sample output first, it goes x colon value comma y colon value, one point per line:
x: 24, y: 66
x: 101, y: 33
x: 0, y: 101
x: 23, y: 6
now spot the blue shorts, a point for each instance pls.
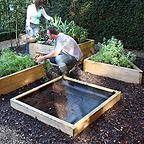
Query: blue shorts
x: 33, y: 32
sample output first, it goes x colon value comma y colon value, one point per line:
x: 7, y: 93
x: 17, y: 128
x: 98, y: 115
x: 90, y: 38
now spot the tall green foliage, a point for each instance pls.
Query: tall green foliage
x: 13, y: 15
x: 104, y: 18
x: 69, y: 28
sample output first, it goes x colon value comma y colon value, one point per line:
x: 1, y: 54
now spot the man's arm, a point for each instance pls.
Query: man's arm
x: 54, y: 53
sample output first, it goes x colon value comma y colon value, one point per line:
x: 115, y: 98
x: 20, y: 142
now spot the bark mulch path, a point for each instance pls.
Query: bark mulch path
x: 122, y: 124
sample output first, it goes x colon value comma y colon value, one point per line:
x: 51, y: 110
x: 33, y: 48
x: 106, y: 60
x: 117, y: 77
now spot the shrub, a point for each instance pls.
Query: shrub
x: 112, y: 52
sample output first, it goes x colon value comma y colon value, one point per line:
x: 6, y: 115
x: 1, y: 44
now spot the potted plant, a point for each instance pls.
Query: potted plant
x: 69, y: 28
x: 111, y: 61
x: 17, y: 71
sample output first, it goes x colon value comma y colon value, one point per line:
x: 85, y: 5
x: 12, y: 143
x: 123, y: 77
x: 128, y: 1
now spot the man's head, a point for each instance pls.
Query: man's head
x: 52, y: 32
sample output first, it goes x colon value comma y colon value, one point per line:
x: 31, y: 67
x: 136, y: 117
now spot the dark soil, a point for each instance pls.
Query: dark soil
x: 124, y: 123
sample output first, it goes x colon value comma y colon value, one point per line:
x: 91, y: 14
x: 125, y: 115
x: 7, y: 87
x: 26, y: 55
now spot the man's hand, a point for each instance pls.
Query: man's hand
x: 36, y: 56
x: 39, y: 59
x: 49, y: 41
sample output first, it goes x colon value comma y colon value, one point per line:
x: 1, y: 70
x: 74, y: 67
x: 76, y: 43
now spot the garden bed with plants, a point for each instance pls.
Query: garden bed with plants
x: 111, y: 61
x: 121, y: 124
x: 17, y: 70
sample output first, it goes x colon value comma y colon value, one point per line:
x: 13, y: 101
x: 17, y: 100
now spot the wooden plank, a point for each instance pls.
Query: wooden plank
x: 16, y: 80
x: 115, y: 72
x: 37, y: 88
x: 135, y: 67
x: 96, y: 113
x: 89, y: 84
x: 87, y: 48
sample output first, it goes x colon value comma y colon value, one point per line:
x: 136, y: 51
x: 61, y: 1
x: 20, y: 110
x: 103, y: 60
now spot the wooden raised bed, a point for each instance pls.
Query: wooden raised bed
x: 19, y: 79
x: 107, y: 70
x: 87, y: 48
x: 71, y: 129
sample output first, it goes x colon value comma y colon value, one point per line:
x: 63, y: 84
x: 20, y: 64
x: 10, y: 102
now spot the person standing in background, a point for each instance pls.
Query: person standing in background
x: 34, y: 13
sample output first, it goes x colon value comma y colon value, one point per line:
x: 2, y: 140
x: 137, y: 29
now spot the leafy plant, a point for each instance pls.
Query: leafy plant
x: 69, y: 28
x: 12, y: 16
x: 10, y: 62
x: 48, y: 66
x: 112, y: 52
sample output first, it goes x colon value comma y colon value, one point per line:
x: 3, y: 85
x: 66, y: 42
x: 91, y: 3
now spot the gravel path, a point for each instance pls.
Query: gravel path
x: 122, y: 124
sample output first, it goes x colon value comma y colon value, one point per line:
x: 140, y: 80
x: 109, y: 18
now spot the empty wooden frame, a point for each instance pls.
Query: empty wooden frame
x: 71, y: 129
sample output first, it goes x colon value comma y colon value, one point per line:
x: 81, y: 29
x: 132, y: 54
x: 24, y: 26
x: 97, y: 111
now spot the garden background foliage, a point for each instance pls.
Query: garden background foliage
x: 103, y: 18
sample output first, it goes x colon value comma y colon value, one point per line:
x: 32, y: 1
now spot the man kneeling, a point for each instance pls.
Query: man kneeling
x: 66, y: 52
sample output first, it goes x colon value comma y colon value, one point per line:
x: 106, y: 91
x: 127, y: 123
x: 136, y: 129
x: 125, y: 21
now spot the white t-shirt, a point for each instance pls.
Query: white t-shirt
x: 67, y: 44
x: 33, y: 15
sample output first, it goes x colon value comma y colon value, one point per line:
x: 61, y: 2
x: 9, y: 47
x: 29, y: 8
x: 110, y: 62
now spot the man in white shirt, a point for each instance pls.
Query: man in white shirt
x: 66, y: 52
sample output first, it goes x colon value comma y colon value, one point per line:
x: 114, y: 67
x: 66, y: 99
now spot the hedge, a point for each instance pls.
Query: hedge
x: 123, y: 19
x: 103, y: 18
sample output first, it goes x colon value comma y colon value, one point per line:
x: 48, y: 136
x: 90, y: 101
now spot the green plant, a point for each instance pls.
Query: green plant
x: 12, y: 17
x: 69, y: 28
x: 48, y: 66
x: 11, y: 62
x: 112, y: 52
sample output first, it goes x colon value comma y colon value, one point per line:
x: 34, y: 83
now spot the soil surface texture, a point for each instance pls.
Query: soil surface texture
x: 122, y: 124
